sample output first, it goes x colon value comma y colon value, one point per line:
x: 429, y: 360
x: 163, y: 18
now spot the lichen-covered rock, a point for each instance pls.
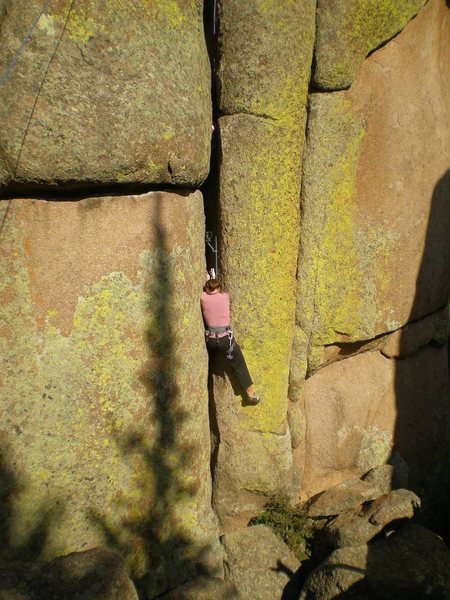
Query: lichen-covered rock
x: 358, y: 409
x: 347, y: 32
x: 411, y: 563
x: 245, y: 460
x: 96, y: 574
x: 258, y: 562
x: 368, y: 207
x: 105, y: 93
x: 104, y: 420
x: 265, y: 52
x: 265, y: 58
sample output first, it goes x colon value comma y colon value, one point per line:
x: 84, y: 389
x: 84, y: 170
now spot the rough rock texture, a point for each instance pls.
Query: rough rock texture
x: 103, y: 381
x: 357, y: 527
x: 359, y: 409
x: 105, y: 93
x: 244, y: 462
x: 348, y: 31
x: 97, y: 574
x: 410, y: 338
x: 265, y: 57
x: 204, y: 588
x: 258, y: 562
x: 412, y: 563
x: 381, y: 477
x: 375, y: 249
x: 345, y: 496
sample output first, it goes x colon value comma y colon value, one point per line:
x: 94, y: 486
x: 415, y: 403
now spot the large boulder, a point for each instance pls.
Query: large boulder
x: 104, y: 420
x: 360, y: 409
x: 348, y: 31
x: 96, y: 574
x: 263, y: 71
x: 411, y: 564
x: 104, y: 93
x: 375, y: 251
x: 258, y: 562
x: 356, y: 527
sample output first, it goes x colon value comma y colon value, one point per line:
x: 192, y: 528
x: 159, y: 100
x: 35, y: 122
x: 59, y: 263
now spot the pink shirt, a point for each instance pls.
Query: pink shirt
x: 216, y: 309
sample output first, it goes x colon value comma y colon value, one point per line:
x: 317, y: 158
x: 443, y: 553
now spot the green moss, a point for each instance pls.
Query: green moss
x: 289, y: 523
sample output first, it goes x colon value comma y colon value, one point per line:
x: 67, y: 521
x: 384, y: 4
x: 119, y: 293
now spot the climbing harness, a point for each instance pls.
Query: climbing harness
x: 231, y: 348
x: 213, y: 332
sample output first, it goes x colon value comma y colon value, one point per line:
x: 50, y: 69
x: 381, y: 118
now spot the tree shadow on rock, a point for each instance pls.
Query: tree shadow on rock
x: 422, y: 429
x: 28, y: 549
x: 154, y: 528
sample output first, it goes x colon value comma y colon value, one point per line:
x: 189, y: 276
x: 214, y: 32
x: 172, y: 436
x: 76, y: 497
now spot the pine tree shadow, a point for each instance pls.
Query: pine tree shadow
x: 30, y: 548
x: 171, y: 555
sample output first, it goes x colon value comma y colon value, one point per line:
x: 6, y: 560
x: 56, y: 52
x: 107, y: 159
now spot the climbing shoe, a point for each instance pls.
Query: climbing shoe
x: 255, y: 399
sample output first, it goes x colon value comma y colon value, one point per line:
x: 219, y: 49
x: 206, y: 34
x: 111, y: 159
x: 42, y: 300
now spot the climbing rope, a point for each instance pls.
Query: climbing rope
x: 41, y: 86
x: 25, y: 41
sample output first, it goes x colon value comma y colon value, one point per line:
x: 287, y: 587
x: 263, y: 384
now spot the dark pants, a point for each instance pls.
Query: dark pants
x: 235, y: 357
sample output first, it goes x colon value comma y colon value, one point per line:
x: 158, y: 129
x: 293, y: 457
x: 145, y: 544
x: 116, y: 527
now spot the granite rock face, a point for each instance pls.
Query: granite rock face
x: 347, y: 32
x: 357, y: 410
x: 411, y: 563
x: 265, y: 54
x: 105, y: 94
x: 96, y: 574
x: 105, y: 419
x: 370, y: 208
x: 254, y: 561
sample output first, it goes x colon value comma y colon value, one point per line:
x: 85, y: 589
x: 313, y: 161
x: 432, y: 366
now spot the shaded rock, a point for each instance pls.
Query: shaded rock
x: 346, y: 33
x: 204, y: 588
x: 399, y: 504
x: 345, y: 496
x: 357, y: 527
x: 258, y: 562
x: 412, y: 563
x: 96, y: 574
x: 135, y: 106
x: 381, y: 478
x: 367, y: 210
x: 408, y: 339
x: 358, y: 408
x: 104, y: 393
x: 296, y: 424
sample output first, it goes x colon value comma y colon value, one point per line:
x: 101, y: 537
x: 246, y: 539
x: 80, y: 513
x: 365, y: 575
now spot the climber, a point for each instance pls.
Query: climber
x: 219, y: 337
